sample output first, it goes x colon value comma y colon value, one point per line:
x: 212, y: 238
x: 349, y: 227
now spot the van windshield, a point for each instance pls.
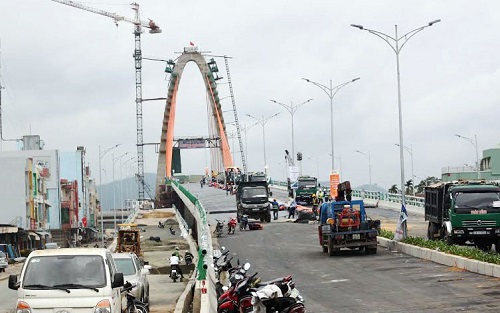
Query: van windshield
x: 78, y: 271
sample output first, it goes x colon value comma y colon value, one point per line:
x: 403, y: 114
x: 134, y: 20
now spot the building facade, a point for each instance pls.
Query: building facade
x: 489, y: 168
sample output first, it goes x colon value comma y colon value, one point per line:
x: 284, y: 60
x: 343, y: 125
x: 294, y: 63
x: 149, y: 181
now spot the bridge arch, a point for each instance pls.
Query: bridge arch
x: 216, y: 118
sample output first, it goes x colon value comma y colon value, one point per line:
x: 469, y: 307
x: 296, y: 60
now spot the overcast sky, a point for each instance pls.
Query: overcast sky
x: 69, y: 77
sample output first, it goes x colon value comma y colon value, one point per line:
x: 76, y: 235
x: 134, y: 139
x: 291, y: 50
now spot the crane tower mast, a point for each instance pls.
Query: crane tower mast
x: 138, y: 25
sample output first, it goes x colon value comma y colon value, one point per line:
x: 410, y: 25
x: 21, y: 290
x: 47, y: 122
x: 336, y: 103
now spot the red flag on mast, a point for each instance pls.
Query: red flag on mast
x: 191, y: 43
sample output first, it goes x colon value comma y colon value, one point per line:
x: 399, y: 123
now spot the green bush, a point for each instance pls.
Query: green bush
x: 466, y: 252
x: 386, y: 234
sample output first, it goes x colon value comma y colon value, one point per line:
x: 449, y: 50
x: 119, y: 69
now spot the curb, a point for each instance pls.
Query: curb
x: 475, y: 266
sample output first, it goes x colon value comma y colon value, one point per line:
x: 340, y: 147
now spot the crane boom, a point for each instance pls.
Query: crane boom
x: 117, y: 18
x: 153, y: 29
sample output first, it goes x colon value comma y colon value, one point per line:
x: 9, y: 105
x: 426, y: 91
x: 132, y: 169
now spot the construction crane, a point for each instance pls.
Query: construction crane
x: 138, y: 25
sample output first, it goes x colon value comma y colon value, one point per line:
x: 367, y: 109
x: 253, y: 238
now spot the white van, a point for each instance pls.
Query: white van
x: 72, y: 280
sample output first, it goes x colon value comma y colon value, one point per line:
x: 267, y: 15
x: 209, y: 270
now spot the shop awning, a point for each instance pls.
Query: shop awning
x: 34, y: 235
x: 8, y: 229
x: 44, y: 233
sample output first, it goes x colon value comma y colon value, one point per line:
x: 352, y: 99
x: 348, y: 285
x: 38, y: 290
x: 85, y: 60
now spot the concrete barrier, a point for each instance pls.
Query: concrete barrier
x: 204, y: 295
x: 439, y: 257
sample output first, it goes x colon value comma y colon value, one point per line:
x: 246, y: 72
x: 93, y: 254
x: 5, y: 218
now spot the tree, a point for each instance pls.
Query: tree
x: 409, y: 187
x: 393, y: 189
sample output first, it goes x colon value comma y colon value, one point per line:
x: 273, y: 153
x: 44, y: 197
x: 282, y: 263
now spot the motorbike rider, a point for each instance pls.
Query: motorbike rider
x: 174, y: 263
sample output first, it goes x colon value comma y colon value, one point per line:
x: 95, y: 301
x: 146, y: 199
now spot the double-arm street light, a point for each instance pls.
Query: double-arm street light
x: 262, y: 121
x: 114, y: 191
x: 317, y: 165
x: 101, y: 155
x: 474, y: 143
x: 367, y: 155
x: 397, y: 43
x: 410, y: 151
x: 331, y: 92
x: 122, y: 194
x: 292, y: 108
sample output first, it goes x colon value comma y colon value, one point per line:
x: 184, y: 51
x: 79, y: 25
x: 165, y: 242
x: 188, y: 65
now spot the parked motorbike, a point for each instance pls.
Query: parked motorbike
x: 229, y: 300
x: 244, y: 222
x: 288, y: 299
x: 231, y: 225
x: 219, y: 228
x: 161, y: 225
x: 188, y: 257
x: 133, y: 305
x: 172, y: 231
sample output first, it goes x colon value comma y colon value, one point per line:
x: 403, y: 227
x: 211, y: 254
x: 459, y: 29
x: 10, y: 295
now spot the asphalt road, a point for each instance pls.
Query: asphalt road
x: 353, y: 281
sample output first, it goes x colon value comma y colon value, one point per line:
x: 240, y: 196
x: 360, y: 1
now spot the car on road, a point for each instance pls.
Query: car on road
x: 3, y: 262
x: 135, y: 272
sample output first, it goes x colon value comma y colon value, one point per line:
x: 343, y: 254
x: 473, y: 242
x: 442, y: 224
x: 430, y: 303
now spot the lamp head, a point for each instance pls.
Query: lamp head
x: 357, y: 26
x: 307, y: 80
x: 434, y: 22
x: 355, y: 79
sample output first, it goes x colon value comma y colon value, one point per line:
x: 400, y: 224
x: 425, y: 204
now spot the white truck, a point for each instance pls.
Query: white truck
x: 68, y: 280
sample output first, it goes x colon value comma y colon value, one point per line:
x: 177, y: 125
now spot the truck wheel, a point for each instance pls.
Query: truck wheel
x: 331, y: 250
x: 325, y: 248
x: 448, y: 238
x: 497, y: 246
x: 431, y: 231
x: 371, y: 250
x: 485, y: 246
x: 268, y: 218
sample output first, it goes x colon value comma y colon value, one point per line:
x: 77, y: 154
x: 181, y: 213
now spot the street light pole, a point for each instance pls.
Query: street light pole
x: 396, y: 47
x: 101, y: 155
x: 292, y: 109
x: 331, y: 92
x: 262, y: 121
x: 114, y: 191
x: 121, y: 181
x: 369, y: 164
x: 317, y: 165
x: 410, y: 151
x: 474, y: 143
x: 245, y: 128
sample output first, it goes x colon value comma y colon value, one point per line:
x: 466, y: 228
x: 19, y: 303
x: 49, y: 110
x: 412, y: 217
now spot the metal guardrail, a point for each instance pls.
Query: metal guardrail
x: 377, y: 195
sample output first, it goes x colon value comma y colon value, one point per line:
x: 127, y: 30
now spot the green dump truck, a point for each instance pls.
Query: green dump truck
x: 464, y: 212
x: 306, y: 187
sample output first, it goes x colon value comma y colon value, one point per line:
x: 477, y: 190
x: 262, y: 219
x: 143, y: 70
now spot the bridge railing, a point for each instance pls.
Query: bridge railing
x: 376, y: 195
x: 205, y: 273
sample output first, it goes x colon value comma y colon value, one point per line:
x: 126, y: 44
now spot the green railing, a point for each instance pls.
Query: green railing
x: 377, y: 195
x: 203, y: 232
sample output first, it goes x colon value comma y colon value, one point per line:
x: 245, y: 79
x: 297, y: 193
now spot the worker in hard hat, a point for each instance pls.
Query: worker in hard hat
x: 315, y: 205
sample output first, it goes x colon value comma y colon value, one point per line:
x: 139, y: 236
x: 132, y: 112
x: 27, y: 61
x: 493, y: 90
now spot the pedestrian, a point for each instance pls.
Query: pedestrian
x: 201, y: 183
x: 291, y: 209
x: 274, y: 208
